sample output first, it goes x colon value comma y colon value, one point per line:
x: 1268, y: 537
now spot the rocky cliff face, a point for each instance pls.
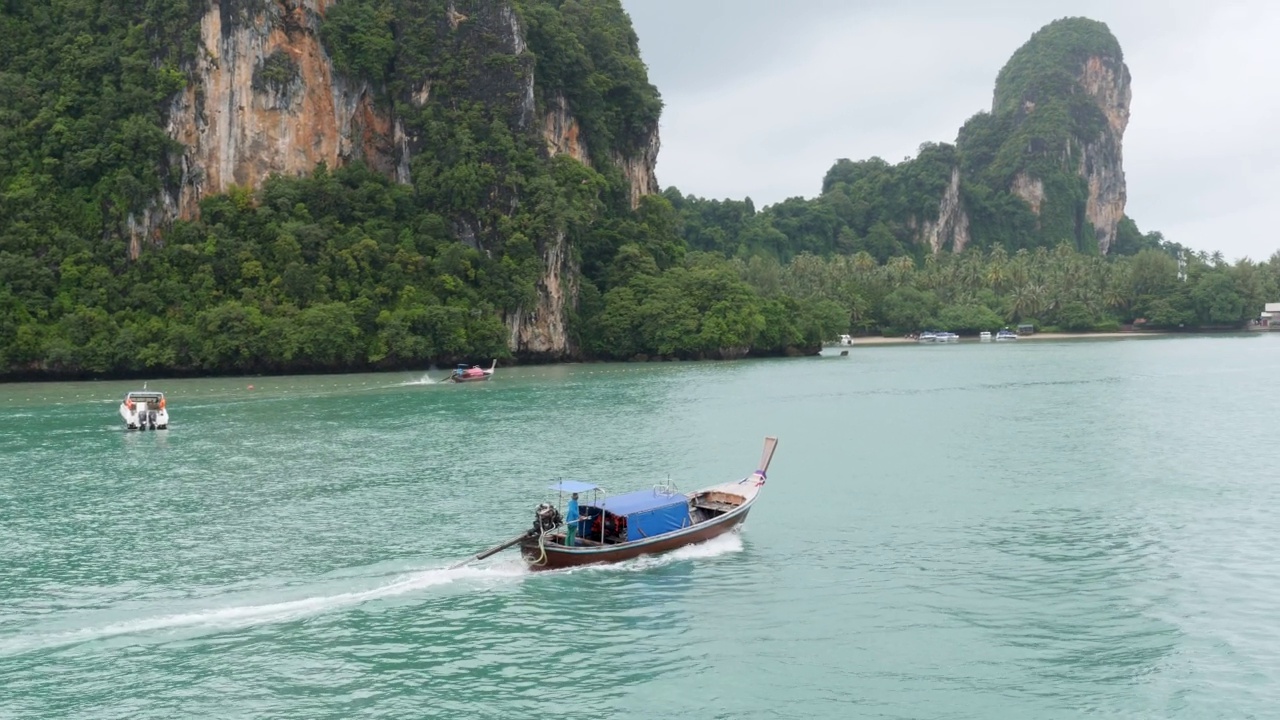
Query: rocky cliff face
x: 637, y: 166
x: 1107, y: 82
x: 541, y: 331
x: 266, y: 99
x: 1098, y: 160
x: 563, y: 136
x: 562, y: 133
x: 1072, y: 69
x: 951, y: 228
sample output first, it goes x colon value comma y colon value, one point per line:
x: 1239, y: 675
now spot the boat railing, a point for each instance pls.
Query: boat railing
x: 668, y: 488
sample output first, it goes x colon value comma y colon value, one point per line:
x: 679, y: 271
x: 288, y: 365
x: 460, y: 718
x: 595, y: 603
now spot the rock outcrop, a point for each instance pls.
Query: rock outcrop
x: 951, y: 228
x: 1069, y: 90
x: 1107, y: 81
x: 563, y: 136
x: 541, y: 331
x: 562, y: 133
x: 265, y: 99
x: 637, y: 166
x: 1030, y: 189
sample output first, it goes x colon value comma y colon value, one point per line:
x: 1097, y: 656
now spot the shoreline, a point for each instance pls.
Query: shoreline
x: 825, y: 350
x: 873, y: 341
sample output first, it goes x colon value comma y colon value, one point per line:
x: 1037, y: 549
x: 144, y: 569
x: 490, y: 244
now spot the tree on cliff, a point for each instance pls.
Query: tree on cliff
x: 343, y: 268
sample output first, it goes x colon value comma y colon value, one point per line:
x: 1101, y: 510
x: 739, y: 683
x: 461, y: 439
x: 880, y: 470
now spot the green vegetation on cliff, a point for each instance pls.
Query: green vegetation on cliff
x: 1041, y: 125
x: 347, y: 270
x: 83, y: 87
x: 1043, y: 70
x: 862, y: 242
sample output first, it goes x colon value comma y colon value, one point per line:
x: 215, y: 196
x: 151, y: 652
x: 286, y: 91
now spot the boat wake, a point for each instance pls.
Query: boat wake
x: 236, y: 612
x: 240, y: 616
x: 424, y: 380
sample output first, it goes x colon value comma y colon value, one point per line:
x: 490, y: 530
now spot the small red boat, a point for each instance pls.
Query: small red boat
x: 645, y: 522
x: 475, y: 373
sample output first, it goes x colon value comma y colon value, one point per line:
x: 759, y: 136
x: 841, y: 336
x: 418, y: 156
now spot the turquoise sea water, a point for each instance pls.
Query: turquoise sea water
x: 1033, y: 530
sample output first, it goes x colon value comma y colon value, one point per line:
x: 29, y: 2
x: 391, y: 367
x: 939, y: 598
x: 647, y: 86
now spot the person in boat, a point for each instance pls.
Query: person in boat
x: 571, y: 520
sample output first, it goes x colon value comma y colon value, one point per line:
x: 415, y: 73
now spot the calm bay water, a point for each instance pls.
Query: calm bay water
x: 1047, y: 529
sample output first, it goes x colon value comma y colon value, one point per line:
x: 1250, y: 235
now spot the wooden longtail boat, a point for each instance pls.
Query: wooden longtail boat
x: 646, y: 522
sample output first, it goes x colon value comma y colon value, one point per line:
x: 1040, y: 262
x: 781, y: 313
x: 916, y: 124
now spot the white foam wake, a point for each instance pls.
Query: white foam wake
x: 234, y: 617
x: 424, y: 380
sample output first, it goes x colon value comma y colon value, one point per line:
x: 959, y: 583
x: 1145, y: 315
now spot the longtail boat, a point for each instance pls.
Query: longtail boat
x: 610, y: 529
x: 475, y: 373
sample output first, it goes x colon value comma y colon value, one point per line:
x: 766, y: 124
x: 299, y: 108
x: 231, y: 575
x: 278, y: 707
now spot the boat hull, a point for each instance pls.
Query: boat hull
x: 136, y: 421
x: 560, y: 557
x: 457, y: 379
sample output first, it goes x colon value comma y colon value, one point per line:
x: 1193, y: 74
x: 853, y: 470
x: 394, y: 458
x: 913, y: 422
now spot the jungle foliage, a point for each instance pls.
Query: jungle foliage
x: 347, y: 270
x: 344, y: 269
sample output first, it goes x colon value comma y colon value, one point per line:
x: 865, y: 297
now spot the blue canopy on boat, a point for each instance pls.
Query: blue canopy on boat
x: 573, y: 486
x: 640, y: 501
x: 648, y: 512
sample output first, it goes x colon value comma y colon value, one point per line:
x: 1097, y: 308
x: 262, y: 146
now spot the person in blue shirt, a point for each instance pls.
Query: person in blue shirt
x: 571, y: 520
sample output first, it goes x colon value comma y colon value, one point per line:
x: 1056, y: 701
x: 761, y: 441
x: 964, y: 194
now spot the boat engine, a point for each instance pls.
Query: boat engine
x: 546, y: 518
x: 151, y: 417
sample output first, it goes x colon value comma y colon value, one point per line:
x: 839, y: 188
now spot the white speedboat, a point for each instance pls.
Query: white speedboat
x: 1006, y: 335
x: 143, y: 410
x: 984, y: 336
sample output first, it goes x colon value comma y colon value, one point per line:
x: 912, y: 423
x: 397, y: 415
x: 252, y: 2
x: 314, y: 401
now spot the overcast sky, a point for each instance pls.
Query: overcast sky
x: 762, y: 96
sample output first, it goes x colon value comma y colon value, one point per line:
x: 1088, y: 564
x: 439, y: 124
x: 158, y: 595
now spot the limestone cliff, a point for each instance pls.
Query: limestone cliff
x: 1107, y: 81
x: 540, y: 331
x: 637, y: 166
x: 562, y: 132
x: 563, y: 135
x: 1043, y: 167
x: 1067, y: 94
x: 267, y: 98
x: 951, y: 228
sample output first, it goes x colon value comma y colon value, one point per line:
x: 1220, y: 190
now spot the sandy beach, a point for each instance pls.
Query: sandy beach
x: 872, y: 340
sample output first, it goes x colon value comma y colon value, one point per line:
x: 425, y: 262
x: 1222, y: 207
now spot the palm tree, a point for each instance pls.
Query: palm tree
x: 899, y: 269
x: 1026, y: 302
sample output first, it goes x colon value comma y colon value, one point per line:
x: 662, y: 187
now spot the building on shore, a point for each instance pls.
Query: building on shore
x: 1270, y: 317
